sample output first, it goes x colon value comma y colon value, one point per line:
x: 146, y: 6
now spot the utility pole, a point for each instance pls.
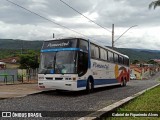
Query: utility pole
x: 112, y: 36
x: 113, y: 41
x: 53, y: 35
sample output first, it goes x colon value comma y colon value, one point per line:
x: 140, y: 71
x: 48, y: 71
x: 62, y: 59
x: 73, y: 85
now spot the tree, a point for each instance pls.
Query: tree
x: 154, y: 4
x: 29, y: 60
x: 135, y: 62
x: 152, y: 62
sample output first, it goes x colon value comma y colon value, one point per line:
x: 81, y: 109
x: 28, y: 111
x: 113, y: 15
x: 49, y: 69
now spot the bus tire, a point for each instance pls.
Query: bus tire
x: 123, y: 82
x: 58, y: 91
x: 90, y: 86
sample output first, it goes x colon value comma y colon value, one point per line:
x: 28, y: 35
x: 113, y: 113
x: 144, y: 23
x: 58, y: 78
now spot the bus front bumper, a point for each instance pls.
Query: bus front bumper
x: 58, y: 85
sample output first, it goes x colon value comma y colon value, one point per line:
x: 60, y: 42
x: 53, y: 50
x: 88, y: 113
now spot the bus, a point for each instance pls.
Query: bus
x: 75, y: 64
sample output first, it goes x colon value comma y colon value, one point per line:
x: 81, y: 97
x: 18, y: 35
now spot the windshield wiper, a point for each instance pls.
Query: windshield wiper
x: 55, y: 64
x: 58, y: 67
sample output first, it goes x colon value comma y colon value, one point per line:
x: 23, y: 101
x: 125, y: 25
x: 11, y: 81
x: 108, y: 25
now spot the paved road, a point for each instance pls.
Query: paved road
x: 75, y: 101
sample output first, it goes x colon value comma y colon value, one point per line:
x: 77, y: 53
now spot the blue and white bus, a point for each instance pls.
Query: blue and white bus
x: 77, y: 64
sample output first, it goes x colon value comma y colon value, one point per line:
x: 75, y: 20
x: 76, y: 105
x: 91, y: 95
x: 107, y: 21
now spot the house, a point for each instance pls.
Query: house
x: 141, y: 72
x: 137, y: 71
x: 157, y: 60
x: 158, y: 67
x: 2, y: 65
x: 11, y: 62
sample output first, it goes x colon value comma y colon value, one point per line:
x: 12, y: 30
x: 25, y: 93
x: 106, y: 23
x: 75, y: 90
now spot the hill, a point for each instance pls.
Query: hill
x: 19, y: 44
x: 141, y: 55
x: 10, y: 47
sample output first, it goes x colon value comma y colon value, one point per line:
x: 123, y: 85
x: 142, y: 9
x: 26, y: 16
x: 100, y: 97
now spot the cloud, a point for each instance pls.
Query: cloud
x: 20, y: 24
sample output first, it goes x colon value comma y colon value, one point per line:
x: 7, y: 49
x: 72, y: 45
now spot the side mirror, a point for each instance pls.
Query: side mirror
x: 80, y: 74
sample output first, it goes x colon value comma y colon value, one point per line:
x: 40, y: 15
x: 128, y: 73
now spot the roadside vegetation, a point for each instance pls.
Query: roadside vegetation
x: 29, y: 60
x: 158, y: 79
x: 149, y: 101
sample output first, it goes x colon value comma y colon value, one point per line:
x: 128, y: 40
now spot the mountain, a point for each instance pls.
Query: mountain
x: 141, y: 55
x: 139, y: 50
x: 19, y: 44
x: 10, y: 47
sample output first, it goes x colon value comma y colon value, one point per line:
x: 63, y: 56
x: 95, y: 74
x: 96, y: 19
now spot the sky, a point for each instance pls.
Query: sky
x: 17, y: 23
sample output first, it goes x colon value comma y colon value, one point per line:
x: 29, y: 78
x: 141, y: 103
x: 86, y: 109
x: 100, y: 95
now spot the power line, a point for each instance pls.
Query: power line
x: 45, y: 18
x: 49, y: 20
x: 124, y: 32
x: 84, y: 15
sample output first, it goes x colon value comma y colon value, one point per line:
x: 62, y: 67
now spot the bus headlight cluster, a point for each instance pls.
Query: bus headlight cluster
x: 41, y: 78
x: 67, y: 78
x: 74, y: 78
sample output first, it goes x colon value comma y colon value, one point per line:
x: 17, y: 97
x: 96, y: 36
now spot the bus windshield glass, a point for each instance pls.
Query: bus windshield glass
x: 60, y: 62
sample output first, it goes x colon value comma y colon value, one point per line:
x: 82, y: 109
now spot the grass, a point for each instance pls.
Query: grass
x: 149, y: 101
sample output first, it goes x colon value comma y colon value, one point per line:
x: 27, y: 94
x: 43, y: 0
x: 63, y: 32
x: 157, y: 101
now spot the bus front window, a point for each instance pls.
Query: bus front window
x: 47, y: 63
x: 65, y: 62
x: 61, y: 62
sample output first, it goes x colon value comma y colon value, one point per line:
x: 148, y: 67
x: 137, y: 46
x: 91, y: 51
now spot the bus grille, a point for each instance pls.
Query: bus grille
x: 49, y: 78
x: 57, y: 78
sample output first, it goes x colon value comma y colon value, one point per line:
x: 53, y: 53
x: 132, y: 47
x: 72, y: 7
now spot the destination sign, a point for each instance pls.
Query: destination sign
x: 65, y: 43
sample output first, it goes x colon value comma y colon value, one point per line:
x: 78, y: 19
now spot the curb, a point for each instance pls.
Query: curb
x: 115, y: 105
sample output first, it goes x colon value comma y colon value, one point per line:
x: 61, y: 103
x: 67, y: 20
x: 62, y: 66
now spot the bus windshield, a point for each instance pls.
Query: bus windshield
x: 60, y: 62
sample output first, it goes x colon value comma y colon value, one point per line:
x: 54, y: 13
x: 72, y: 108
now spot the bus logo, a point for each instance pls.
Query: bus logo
x: 96, y: 65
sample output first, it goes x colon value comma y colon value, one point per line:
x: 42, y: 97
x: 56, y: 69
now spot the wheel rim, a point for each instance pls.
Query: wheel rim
x: 122, y: 83
x: 90, y: 85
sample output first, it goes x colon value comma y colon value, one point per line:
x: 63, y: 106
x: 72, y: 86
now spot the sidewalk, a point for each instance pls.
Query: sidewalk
x: 18, y: 90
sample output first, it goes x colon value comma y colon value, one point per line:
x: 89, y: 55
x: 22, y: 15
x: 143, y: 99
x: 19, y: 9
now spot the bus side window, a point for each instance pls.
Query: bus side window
x: 92, y: 50
x: 120, y: 59
x: 96, y: 51
x: 115, y: 58
x: 82, y: 63
x: 83, y: 45
x: 126, y: 61
x: 110, y: 56
x: 102, y: 54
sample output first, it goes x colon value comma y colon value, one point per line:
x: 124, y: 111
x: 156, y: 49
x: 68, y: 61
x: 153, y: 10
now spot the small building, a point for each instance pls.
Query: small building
x: 2, y: 65
x: 143, y: 72
x: 11, y: 62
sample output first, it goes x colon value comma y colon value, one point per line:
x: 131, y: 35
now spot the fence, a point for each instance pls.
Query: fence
x: 12, y: 76
x: 27, y: 74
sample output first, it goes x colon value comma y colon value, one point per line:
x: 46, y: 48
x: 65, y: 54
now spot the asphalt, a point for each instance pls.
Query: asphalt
x: 18, y: 90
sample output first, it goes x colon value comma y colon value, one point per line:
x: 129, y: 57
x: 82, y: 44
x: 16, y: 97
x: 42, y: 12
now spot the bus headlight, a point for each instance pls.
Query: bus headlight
x: 41, y: 78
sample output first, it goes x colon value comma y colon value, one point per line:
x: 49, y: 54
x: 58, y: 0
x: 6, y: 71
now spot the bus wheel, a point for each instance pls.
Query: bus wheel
x: 90, y: 86
x: 58, y: 91
x: 123, y: 82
